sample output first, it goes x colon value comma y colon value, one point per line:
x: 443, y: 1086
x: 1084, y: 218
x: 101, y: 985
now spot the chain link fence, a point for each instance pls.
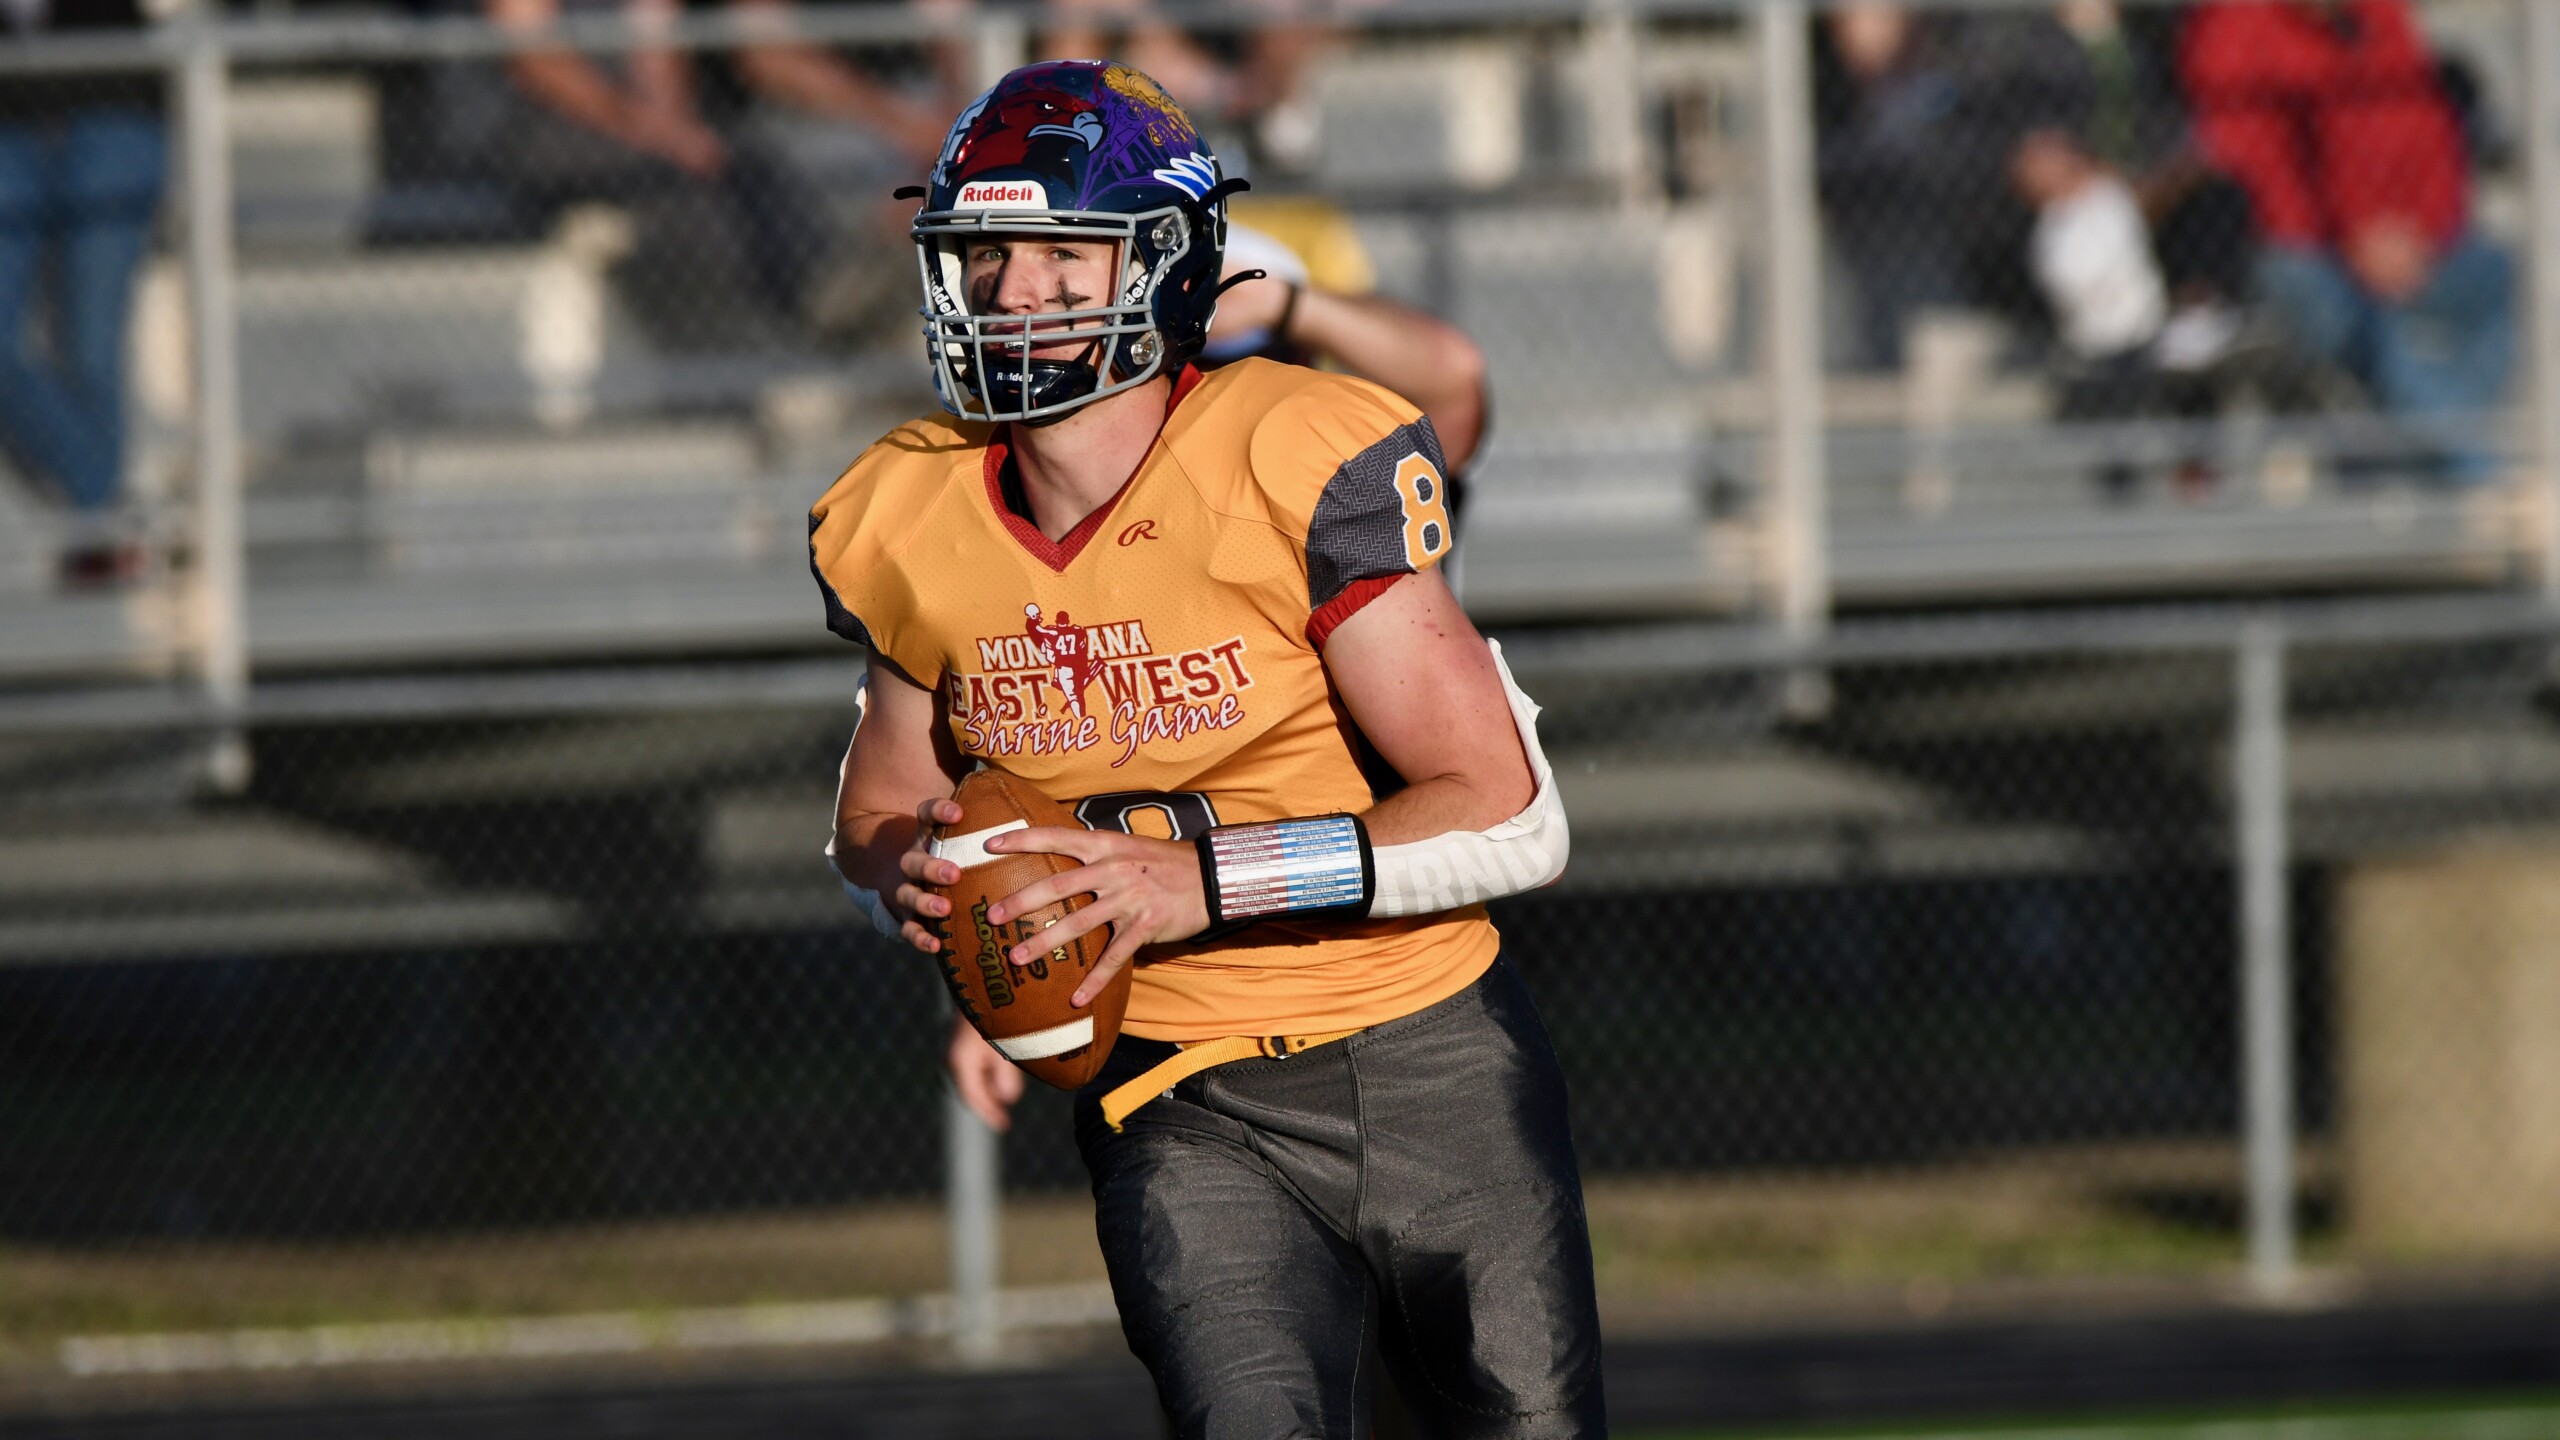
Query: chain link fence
x: 1895, y: 977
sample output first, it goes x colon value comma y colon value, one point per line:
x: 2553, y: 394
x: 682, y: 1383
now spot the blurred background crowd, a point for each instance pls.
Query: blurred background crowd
x: 2195, y: 253
x: 2237, y: 194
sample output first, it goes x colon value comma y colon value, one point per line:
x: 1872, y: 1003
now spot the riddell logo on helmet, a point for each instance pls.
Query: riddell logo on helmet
x: 1002, y: 195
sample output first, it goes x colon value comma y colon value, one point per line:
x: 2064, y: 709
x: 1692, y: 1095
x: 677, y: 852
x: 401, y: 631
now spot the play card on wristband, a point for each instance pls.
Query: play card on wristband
x: 1314, y: 866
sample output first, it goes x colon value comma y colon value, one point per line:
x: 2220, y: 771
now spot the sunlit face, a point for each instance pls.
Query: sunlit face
x: 1032, y: 275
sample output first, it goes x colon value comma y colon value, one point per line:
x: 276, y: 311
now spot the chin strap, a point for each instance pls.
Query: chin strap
x: 1238, y: 278
x: 1233, y: 185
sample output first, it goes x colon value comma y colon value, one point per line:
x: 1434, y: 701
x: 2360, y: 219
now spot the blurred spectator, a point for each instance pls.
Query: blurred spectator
x: 2141, y: 249
x: 817, y: 82
x: 1915, y: 116
x: 1886, y: 188
x: 82, y: 158
x: 1295, y: 316
x: 2091, y: 257
x: 2330, y: 113
x: 735, y: 247
x: 856, y: 136
x: 2135, y: 122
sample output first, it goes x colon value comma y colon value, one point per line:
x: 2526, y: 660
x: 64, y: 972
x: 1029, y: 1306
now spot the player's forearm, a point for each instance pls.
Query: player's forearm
x: 1442, y: 804
x: 814, y: 81
x: 572, y: 86
x: 1430, y: 847
x: 867, y: 846
x: 664, y: 80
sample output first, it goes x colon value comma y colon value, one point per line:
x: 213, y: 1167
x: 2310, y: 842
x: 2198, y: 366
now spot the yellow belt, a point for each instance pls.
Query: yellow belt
x: 1198, y: 1055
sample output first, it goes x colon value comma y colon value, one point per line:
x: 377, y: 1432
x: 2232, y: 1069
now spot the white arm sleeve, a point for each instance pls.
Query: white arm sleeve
x: 1462, y: 867
x: 881, y: 920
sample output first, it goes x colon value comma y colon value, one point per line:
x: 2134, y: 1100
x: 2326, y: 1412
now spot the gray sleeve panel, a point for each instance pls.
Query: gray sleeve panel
x: 842, y: 621
x: 1358, y: 529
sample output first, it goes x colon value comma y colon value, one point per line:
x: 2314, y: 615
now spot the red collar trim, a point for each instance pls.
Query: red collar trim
x: 1060, y: 553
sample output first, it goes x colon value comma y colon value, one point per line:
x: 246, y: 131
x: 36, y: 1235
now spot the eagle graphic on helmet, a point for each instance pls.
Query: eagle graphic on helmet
x: 1099, y: 152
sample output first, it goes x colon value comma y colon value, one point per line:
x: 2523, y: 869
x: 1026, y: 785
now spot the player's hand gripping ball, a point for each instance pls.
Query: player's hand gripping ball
x: 1022, y: 1009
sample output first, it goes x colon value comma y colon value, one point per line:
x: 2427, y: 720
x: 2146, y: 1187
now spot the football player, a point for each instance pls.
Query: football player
x: 1333, y: 1114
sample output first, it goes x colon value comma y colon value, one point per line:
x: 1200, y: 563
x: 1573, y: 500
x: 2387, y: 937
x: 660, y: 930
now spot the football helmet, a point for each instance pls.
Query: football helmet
x: 1100, y: 152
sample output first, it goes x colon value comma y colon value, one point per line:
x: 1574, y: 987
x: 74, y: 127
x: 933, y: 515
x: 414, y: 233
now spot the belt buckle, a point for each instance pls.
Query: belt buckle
x: 1277, y: 1047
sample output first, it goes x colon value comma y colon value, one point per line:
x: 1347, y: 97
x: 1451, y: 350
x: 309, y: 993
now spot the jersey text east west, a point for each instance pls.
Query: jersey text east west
x: 1035, y: 692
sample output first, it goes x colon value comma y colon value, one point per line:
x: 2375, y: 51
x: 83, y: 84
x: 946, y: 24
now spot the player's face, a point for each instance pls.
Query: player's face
x: 1031, y: 275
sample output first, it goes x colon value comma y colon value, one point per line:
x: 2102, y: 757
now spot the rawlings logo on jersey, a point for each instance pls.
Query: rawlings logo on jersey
x: 1057, y: 685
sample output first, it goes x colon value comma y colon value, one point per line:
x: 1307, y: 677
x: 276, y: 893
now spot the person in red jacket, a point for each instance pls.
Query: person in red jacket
x: 2329, y: 112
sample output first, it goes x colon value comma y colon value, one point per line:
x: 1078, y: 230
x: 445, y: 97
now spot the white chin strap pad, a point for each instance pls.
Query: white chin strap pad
x: 1464, y: 867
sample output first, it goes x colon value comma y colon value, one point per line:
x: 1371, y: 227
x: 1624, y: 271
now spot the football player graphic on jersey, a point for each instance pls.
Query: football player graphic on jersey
x: 1333, y: 1119
x: 1064, y: 644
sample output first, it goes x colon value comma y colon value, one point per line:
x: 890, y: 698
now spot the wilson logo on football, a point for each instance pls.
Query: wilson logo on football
x: 1002, y: 195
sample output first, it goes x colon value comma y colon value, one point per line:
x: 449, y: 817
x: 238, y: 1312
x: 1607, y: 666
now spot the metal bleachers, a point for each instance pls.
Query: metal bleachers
x: 464, y: 449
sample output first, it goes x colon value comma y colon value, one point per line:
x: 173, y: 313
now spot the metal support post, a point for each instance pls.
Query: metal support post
x: 1799, y: 558
x: 1613, y: 98
x: 220, y: 599
x: 1003, y: 45
x: 970, y: 1154
x: 2540, y: 23
x: 2266, y: 939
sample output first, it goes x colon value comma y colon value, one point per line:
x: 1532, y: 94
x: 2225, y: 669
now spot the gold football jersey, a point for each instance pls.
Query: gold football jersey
x: 1160, y: 669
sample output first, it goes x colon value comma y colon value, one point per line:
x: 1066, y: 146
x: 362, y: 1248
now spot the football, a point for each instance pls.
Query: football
x: 1021, y: 1009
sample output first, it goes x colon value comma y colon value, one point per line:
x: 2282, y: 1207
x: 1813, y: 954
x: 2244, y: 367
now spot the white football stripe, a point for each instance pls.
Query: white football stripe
x: 1041, y: 1044
x: 971, y: 849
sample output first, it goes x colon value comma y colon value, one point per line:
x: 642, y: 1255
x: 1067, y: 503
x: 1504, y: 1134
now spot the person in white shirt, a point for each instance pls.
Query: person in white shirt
x: 2091, y: 254
x: 2090, y: 251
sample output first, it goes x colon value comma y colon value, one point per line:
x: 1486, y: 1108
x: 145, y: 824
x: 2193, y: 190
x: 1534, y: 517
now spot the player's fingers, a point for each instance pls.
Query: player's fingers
x: 926, y: 869
x: 1124, y: 945
x: 1048, y: 840
x: 1058, y: 933
x: 916, y: 900
x: 1042, y: 893
x: 919, y: 937
x: 977, y: 1085
x: 980, y: 1076
x: 945, y: 811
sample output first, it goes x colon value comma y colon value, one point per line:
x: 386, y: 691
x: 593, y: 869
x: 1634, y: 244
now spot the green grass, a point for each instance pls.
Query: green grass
x: 2504, y: 1417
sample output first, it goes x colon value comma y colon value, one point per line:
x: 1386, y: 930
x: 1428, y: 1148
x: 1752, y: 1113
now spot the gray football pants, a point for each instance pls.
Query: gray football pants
x: 1411, y: 1190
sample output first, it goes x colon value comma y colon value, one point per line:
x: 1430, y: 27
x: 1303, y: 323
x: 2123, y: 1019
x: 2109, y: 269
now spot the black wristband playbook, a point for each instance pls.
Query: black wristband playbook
x: 1320, y: 866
